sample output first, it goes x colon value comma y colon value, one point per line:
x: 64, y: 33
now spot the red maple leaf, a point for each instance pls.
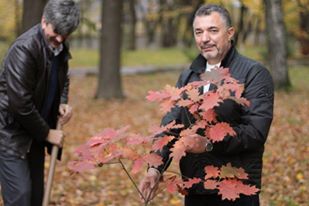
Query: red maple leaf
x: 241, y: 101
x: 247, y: 189
x: 194, y: 94
x: 241, y: 174
x: 173, y: 92
x: 185, y: 103
x: 190, y: 182
x: 137, y: 165
x: 178, y: 150
x: 172, y: 183
x: 227, y: 171
x: 161, y: 142
x: 199, y: 124
x: 194, y: 108
x: 84, y: 152
x: 217, y: 132
x: 157, y: 96
x: 209, y: 115
x: 228, y: 189
x: 80, y: 166
x: 129, y: 153
x: 211, y: 172
x: 231, y: 188
x: 167, y: 105
x: 210, y: 100
x: 211, y: 184
x: 153, y: 159
x: 137, y: 139
x: 188, y: 132
x: 172, y: 125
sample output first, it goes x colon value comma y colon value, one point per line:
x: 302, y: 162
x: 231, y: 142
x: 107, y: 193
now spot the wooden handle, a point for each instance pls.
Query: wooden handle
x: 51, y: 171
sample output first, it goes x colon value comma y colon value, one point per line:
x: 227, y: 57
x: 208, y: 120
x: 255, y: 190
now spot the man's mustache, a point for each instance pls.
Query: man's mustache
x: 206, y: 46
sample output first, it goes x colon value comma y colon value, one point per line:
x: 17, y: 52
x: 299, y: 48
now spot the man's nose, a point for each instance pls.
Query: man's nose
x: 205, y: 37
x: 59, y: 38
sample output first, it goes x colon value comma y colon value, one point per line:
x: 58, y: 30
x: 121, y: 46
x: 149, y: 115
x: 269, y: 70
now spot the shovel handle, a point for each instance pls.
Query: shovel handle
x: 51, y: 171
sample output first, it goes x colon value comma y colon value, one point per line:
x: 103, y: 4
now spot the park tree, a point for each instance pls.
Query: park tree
x: 32, y: 13
x: 276, y: 43
x: 303, y: 35
x: 132, y: 24
x: 8, y: 22
x: 109, y: 79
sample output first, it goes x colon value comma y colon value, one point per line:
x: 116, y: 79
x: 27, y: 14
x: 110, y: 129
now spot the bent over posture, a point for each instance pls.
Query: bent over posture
x: 34, y: 87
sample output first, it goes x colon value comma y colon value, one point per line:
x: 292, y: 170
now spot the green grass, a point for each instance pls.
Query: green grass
x: 3, y: 48
x: 156, y: 57
x: 299, y: 77
x: 161, y: 57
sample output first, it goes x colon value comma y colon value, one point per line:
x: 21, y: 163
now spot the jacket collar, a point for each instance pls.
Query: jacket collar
x: 199, y: 63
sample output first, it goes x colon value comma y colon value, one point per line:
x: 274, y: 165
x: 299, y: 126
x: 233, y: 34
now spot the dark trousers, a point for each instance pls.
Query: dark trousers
x: 215, y: 200
x: 22, y: 180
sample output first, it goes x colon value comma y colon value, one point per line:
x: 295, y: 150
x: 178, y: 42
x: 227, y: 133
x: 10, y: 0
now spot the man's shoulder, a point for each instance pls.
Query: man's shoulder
x: 29, y: 39
x: 243, y: 64
x: 247, y: 61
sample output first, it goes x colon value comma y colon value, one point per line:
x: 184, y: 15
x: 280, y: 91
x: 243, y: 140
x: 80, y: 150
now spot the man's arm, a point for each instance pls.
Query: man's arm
x: 251, y: 134
x: 20, y: 66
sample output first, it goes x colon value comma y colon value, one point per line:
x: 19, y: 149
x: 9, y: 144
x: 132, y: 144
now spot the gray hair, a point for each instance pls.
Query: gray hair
x: 206, y: 10
x: 64, y: 15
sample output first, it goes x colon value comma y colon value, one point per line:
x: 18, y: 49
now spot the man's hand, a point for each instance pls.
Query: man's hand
x: 149, y: 184
x: 65, y: 112
x: 200, y: 144
x: 55, y: 137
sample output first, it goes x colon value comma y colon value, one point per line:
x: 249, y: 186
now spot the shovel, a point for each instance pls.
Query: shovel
x: 51, y: 172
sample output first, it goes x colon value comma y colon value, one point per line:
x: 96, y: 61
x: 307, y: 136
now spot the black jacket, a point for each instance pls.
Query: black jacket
x: 251, y: 124
x: 23, y: 87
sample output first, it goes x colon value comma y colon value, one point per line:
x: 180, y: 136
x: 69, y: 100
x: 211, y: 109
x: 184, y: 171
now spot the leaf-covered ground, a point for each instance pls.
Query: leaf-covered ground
x: 286, y: 163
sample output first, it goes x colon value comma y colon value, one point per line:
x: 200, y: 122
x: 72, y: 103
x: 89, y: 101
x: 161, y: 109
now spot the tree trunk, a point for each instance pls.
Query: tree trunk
x: 168, y: 24
x: 132, y: 27
x: 17, y: 17
x: 109, y: 79
x: 240, y: 27
x: 304, y: 28
x: 276, y: 43
x: 32, y: 13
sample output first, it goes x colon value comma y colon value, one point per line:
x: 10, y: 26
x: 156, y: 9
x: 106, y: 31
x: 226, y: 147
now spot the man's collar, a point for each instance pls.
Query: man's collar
x: 57, y: 50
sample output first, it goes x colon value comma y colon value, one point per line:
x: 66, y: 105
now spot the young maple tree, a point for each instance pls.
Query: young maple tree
x: 113, y: 146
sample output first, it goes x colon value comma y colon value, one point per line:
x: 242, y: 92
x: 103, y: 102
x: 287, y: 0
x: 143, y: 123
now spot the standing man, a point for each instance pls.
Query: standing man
x: 34, y: 87
x: 213, y: 33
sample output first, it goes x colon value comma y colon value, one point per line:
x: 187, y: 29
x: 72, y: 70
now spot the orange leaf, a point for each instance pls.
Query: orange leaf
x: 211, y: 184
x: 211, y: 172
x: 161, y: 142
x: 228, y: 189
x: 153, y: 159
x: 210, y: 100
x: 217, y: 132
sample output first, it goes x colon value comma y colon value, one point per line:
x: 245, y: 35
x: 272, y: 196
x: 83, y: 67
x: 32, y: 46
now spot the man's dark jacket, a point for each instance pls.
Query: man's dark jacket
x: 24, y: 81
x: 250, y: 123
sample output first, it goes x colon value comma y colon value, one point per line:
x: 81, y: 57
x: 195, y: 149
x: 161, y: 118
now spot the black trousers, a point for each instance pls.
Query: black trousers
x: 22, y: 180
x: 215, y: 200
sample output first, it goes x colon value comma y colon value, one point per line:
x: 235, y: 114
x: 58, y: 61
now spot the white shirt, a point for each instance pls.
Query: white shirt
x: 57, y: 50
x: 209, y: 67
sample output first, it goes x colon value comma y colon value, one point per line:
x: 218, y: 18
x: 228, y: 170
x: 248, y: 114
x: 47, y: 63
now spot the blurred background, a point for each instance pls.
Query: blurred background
x: 123, y: 48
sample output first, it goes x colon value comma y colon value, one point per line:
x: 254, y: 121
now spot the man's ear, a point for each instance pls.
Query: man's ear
x: 43, y: 21
x: 230, y: 32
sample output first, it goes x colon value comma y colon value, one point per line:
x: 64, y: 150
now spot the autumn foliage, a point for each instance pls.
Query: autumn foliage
x: 114, y: 146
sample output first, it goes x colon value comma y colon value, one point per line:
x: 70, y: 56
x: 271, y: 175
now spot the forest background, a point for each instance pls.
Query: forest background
x: 143, y: 45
